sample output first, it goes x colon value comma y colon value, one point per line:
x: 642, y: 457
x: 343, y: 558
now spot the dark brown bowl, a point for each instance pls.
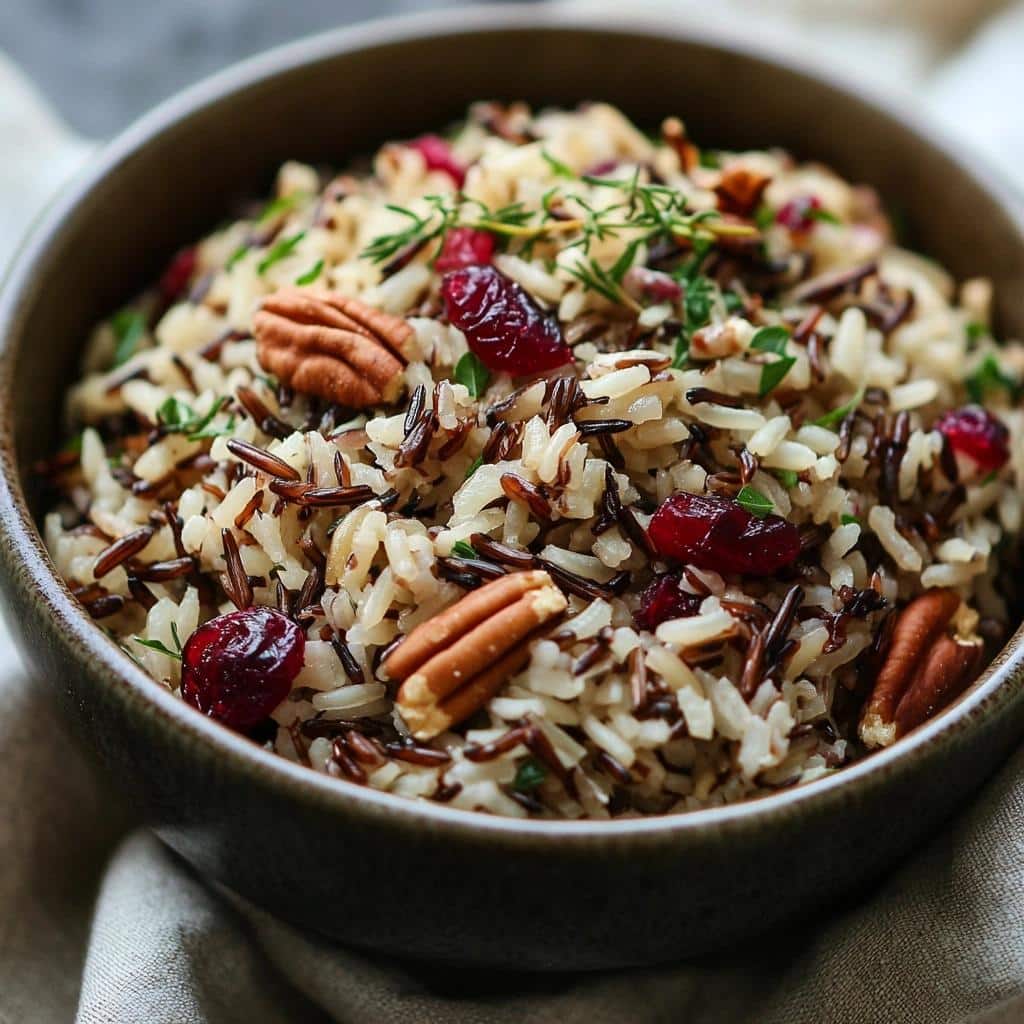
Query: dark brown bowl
x: 418, y: 878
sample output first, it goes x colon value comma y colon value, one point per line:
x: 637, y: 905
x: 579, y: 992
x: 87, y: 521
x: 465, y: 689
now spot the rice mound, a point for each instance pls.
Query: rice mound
x: 896, y: 343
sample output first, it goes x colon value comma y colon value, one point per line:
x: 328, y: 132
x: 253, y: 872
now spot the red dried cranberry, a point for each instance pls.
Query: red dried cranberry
x: 603, y: 167
x: 502, y: 324
x: 976, y: 433
x: 717, y: 533
x: 653, y: 284
x: 798, y: 214
x: 662, y: 600
x: 438, y: 156
x: 238, y: 667
x: 465, y: 247
x: 179, y: 272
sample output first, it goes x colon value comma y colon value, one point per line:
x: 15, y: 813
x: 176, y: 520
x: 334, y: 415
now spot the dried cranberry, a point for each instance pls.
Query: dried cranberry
x: 603, y: 167
x: 664, y: 599
x: 465, y: 247
x: 438, y: 156
x: 718, y: 533
x: 653, y: 284
x: 798, y: 214
x: 976, y: 433
x: 238, y: 667
x: 179, y: 272
x: 502, y: 324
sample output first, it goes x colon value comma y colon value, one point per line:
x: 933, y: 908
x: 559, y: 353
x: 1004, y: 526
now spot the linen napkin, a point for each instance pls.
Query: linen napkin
x: 101, y: 923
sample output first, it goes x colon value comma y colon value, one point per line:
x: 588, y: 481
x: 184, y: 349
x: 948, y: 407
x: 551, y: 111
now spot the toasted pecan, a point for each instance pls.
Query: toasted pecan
x: 334, y: 347
x: 951, y: 666
x: 451, y: 665
x: 924, y: 670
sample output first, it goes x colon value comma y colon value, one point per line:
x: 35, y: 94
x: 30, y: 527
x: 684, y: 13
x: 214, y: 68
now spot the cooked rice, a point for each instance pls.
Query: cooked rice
x: 151, y: 503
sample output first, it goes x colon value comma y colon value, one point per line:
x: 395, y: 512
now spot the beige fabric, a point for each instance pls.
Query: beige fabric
x: 941, y: 941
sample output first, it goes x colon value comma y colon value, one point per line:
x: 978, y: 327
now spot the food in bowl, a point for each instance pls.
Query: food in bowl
x: 550, y: 469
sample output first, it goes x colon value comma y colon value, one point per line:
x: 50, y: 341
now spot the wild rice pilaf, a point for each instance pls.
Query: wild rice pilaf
x: 688, y: 483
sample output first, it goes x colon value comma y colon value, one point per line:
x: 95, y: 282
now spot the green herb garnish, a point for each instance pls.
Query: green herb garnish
x: 474, y: 466
x: 754, y: 501
x: 236, y: 256
x: 129, y: 326
x: 472, y: 373
x: 975, y: 332
x: 529, y: 775
x: 176, y: 417
x: 787, y: 477
x: 682, y: 353
x: 653, y: 210
x: 560, y: 170
x: 764, y: 218
x: 312, y: 274
x: 834, y: 416
x: 824, y: 216
x: 173, y: 413
x: 156, y: 645
x: 461, y: 549
x: 772, y: 374
x: 733, y: 302
x: 847, y: 520
x: 279, y: 251
x: 700, y: 294
x: 990, y: 376
x: 771, y: 339
x: 283, y: 204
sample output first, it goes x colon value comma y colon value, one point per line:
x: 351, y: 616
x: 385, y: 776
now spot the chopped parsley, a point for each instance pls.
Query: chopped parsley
x: 236, y: 256
x: 772, y: 374
x: 461, y: 549
x: 474, y: 466
x: 471, y: 372
x: 787, y: 477
x: 312, y: 274
x: 283, y: 204
x: 754, y: 501
x: 176, y: 417
x: 529, y: 775
x: 848, y: 520
x: 771, y: 339
x: 279, y: 251
x: 559, y: 169
x: 990, y: 376
x: 129, y: 326
x: 819, y: 214
x: 975, y: 331
x: 764, y: 218
x: 834, y: 416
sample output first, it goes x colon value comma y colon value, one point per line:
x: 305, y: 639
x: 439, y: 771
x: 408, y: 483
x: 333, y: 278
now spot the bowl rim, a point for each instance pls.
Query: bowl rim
x: 998, y: 687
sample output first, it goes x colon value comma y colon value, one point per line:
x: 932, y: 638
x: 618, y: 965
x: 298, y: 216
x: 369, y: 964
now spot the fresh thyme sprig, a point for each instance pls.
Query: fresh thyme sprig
x: 651, y: 210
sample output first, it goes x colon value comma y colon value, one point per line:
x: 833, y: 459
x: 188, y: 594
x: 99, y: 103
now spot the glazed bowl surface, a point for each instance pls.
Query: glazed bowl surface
x: 415, y: 878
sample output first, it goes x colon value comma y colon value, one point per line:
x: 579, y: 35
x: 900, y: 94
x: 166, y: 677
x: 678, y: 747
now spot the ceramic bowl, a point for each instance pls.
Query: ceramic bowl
x: 417, y: 878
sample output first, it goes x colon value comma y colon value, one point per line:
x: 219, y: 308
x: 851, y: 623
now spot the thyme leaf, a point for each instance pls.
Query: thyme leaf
x: 754, y: 501
x: 310, y: 275
x: 472, y: 373
x: 279, y: 251
x: 129, y: 325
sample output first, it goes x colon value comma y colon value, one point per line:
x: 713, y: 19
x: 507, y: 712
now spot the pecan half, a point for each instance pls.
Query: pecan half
x: 924, y: 670
x: 334, y: 347
x: 451, y: 665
